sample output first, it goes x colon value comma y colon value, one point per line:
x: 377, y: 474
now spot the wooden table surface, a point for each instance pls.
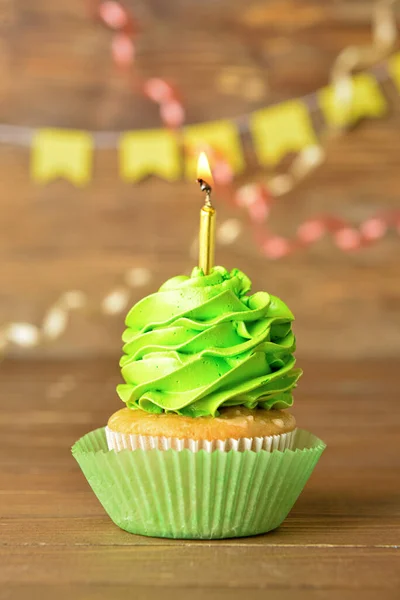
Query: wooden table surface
x: 341, y: 540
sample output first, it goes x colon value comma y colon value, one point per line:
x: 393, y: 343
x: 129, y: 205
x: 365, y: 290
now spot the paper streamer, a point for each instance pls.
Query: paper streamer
x: 125, y: 30
x: 258, y: 202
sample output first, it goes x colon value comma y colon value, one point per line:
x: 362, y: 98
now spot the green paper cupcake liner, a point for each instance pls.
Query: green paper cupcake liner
x: 197, y: 495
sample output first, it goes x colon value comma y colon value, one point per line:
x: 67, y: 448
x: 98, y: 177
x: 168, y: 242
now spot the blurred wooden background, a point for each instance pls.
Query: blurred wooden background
x: 227, y: 57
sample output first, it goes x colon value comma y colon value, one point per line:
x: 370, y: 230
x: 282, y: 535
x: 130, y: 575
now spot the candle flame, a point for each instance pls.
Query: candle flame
x: 203, y: 169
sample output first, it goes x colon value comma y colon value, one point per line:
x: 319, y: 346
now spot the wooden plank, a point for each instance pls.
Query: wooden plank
x: 306, y: 527
x: 87, y: 591
x: 263, y: 567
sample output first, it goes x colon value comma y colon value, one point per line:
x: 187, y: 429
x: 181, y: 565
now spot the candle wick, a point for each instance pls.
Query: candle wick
x: 206, y: 187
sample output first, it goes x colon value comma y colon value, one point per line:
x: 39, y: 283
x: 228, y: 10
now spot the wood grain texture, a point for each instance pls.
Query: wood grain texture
x: 341, y: 538
x: 227, y: 57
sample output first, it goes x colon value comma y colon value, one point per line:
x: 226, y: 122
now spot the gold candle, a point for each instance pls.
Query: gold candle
x: 207, y: 217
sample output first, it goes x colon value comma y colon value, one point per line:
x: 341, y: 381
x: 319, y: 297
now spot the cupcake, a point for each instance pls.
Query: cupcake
x: 205, y: 446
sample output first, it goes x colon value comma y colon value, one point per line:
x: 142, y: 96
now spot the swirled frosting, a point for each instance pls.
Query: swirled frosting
x: 202, y: 342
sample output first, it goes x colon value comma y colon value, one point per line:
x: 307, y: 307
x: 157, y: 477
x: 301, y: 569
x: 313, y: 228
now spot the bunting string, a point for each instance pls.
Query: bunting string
x: 276, y: 130
x: 367, y: 101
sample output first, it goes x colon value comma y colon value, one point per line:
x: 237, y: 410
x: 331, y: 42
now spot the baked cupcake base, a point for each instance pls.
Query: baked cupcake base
x: 232, y: 422
x: 123, y: 441
x: 236, y: 428
x: 197, y: 495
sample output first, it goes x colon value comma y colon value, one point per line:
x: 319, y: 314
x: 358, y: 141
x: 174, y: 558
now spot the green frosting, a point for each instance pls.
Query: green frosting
x: 201, y: 342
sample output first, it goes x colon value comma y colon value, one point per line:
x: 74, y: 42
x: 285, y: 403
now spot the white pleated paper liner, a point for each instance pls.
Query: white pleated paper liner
x: 125, y: 441
x: 197, y: 495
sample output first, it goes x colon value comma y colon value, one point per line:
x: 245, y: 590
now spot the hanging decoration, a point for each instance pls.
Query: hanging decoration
x: 281, y: 129
x: 62, y: 153
x: 366, y: 100
x: 152, y: 152
x: 258, y: 202
x: 275, y: 131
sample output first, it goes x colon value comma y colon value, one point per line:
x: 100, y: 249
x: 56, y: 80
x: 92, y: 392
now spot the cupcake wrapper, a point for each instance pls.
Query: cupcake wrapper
x: 197, y: 495
x: 125, y: 441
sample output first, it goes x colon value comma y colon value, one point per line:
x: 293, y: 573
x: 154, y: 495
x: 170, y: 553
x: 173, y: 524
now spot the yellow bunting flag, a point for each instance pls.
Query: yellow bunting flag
x: 394, y: 69
x: 278, y: 130
x: 220, y: 136
x: 365, y: 99
x: 149, y: 152
x: 62, y: 153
